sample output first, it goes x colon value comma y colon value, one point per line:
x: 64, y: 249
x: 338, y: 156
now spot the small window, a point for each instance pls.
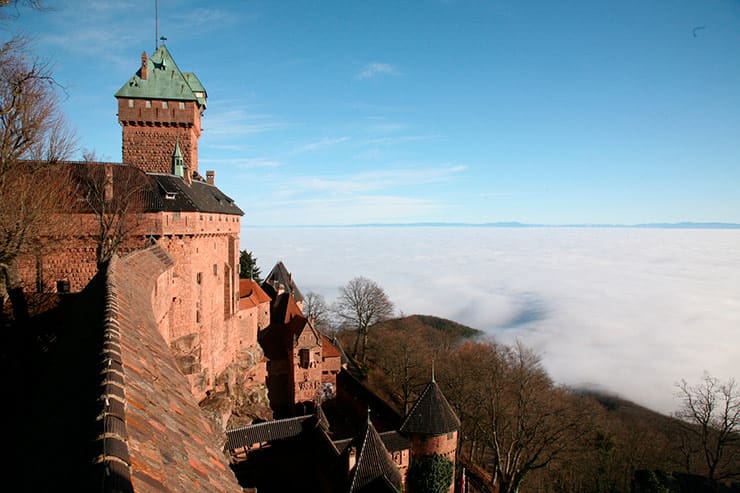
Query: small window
x: 215, y: 269
x: 130, y: 103
x: 164, y: 105
x: 148, y: 104
x: 199, y: 277
x: 181, y: 105
x: 305, y: 357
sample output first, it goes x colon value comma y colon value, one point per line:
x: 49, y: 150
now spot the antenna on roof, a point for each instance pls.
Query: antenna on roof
x: 432, y: 369
x: 156, y: 25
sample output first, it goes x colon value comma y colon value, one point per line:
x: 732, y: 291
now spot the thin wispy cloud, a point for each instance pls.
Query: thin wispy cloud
x: 368, y: 181
x: 400, y: 139
x: 325, y: 143
x: 241, y: 122
x: 247, y: 163
x: 377, y: 69
x: 344, y: 210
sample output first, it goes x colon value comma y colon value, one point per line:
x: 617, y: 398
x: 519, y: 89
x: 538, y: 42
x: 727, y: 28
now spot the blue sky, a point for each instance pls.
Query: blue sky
x: 343, y: 112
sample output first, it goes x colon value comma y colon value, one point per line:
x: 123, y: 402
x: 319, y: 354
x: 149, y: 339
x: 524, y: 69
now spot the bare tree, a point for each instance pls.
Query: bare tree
x: 516, y: 419
x: 361, y: 304
x: 117, y: 195
x: 711, y: 411
x: 316, y: 311
x: 33, y: 138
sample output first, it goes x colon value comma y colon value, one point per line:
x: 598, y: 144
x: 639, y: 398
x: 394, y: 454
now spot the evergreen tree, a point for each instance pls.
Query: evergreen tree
x: 248, y: 267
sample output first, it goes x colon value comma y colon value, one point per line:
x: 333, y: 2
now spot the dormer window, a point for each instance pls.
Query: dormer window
x: 170, y: 195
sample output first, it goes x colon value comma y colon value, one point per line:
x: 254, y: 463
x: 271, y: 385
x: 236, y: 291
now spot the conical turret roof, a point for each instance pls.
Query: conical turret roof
x: 431, y: 414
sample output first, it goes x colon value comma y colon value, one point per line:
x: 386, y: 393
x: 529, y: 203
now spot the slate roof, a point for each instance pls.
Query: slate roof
x: 164, y: 81
x: 374, y: 469
x: 278, y: 429
x: 177, y: 196
x: 431, y: 414
x: 157, y: 438
x: 392, y: 440
x: 153, y: 192
x: 280, y: 275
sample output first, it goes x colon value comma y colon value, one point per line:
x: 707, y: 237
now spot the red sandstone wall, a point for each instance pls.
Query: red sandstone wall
x: 150, y: 134
x: 445, y: 445
x: 306, y: 379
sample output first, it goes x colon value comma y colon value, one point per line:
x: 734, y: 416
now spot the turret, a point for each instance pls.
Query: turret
x: 432, y: 426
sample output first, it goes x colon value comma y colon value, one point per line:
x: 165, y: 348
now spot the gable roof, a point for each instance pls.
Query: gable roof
x: 279, y: 275
x: 164, y: 81
x: 374, y: 469
x: 431, y: 414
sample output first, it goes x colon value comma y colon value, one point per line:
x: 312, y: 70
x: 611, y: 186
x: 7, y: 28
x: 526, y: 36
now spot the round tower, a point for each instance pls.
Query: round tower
x: 158, y: 108
x: 432, y: 426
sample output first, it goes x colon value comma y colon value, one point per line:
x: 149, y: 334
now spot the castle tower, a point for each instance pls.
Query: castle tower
x: 159, y: 109
x: 432, y: 426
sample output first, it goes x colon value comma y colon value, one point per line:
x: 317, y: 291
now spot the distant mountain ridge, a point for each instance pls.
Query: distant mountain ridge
x: 516, y: 224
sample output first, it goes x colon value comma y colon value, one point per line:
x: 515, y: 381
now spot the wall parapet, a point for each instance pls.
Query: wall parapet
x: 146, y: 403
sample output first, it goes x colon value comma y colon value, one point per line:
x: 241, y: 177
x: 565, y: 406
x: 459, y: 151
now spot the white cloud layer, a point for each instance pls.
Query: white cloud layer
x: 630, y: 310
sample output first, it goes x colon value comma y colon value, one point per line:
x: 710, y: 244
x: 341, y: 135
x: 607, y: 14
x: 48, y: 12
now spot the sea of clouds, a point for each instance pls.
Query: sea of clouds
x: 625, y: 310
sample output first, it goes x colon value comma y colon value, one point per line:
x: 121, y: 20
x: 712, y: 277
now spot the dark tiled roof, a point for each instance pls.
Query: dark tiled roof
x: 392, y: 440
x: 199, y: 196
x: 152, y: 192
x: 280, y: 275
x: 374, y: 466
x: 278, y: 429
x: 431, y: 414
x: 156, y: 437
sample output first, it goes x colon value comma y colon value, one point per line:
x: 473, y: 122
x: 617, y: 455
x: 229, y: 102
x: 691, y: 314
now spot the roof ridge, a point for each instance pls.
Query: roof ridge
x: 114, y: 436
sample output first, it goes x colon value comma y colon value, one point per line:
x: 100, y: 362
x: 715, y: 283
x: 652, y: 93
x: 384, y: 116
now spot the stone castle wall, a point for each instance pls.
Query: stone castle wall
x: 150, y: 133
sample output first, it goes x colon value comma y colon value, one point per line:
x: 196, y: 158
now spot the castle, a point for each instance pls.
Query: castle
x: 185, y: 345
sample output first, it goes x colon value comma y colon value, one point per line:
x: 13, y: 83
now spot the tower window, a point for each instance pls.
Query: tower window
x: 181, y: 105
x: 164, y: 104
x: 130, y: 103
x: 148, y: 104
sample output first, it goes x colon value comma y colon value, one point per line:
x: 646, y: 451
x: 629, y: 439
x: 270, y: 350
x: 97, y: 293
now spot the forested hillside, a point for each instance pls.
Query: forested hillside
x: 526, y: 432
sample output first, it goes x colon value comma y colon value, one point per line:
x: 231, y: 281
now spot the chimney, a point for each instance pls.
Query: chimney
x: 108, y: 185
x: 188, y: 175
x: 211, y: 177
x: 144, y: 66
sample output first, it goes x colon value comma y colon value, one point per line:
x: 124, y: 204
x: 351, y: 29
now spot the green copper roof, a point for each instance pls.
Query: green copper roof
x: 164, y: 81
